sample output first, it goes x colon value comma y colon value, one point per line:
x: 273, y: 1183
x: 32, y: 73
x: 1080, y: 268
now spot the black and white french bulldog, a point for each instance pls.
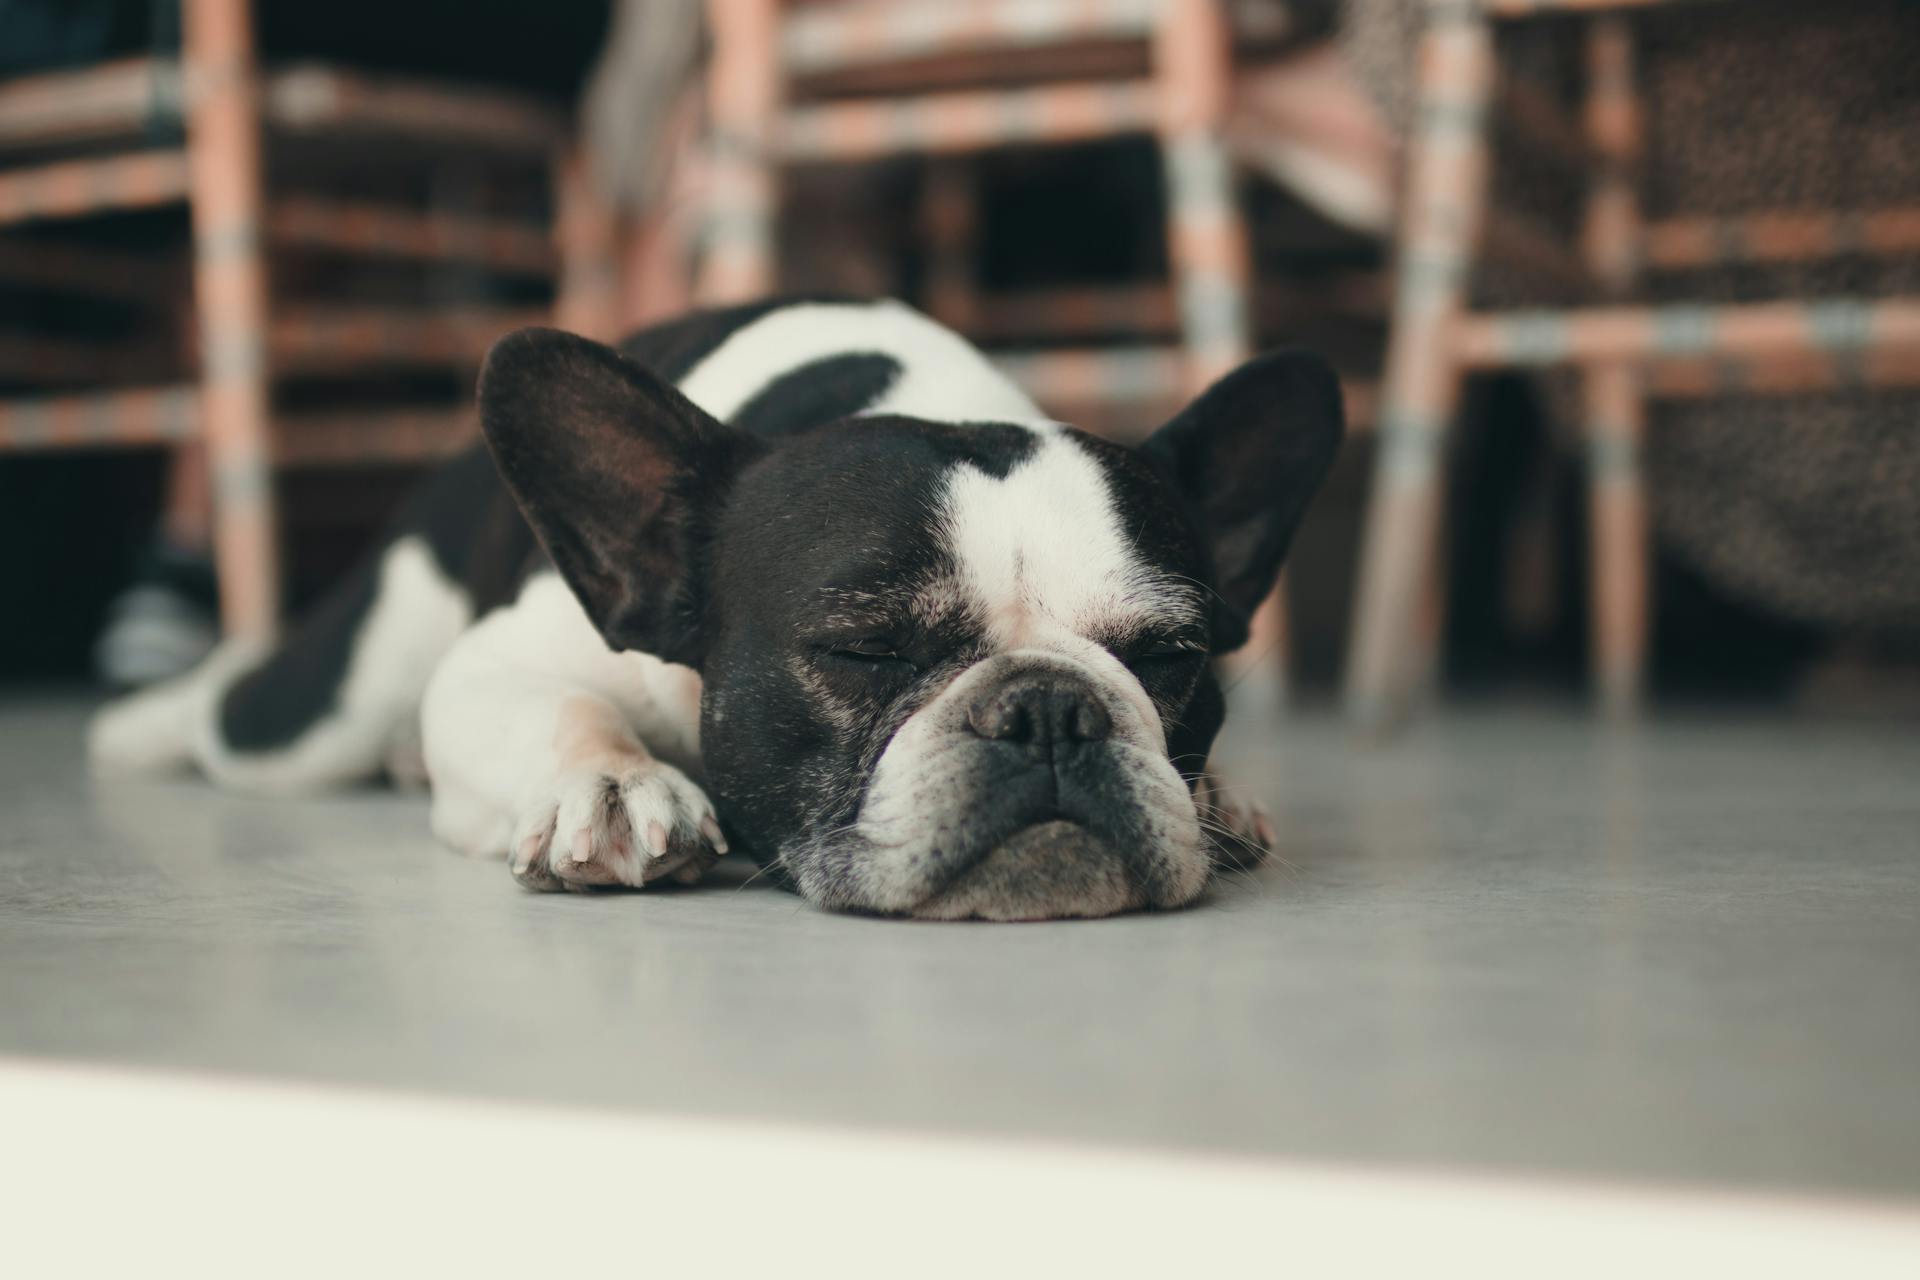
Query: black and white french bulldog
x: 808, y: 579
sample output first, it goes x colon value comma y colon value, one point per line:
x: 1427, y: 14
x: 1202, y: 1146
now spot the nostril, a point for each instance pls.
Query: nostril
x: 1088, y: 721
x: 1001, y: 719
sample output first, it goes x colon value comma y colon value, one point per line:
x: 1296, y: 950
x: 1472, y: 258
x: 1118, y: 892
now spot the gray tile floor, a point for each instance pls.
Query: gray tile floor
x: 1509, y: 942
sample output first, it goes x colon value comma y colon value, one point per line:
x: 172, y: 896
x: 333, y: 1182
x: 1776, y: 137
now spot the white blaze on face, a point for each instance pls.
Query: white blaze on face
x: 1041, y: 555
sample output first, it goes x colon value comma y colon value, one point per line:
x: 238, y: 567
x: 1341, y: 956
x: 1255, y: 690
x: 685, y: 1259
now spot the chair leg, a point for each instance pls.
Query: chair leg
x: 1445, y: 193
x: 1615, y: 412
x: 187, y: 520
x: 230, y: 285
x: 654, y: 281
x: 1208, y: 256
x: 1614, y: 405
x: 949, y: 210
x: 657, y: 258
x: 587, y: 236
x: 745, y: 93
x: 1206, y: 235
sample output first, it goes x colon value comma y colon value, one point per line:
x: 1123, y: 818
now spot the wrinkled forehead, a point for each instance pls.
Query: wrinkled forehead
x: 1014, y: 533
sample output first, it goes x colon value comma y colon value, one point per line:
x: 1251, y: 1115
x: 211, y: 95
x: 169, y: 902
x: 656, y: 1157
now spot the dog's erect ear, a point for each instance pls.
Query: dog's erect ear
x: 1249, y: 455
x: 620, y: 476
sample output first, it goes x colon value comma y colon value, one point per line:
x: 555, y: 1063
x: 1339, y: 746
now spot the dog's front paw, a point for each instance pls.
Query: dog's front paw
x: 593, y: 829
x: 1240, y: 828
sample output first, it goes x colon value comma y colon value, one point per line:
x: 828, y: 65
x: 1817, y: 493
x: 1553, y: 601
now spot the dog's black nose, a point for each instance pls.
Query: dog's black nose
x: 1040, y: 709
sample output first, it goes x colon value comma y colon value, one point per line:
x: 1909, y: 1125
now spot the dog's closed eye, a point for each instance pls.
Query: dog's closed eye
x: 869, y: 649
x: 870, y: 661
x: 1163, y: 649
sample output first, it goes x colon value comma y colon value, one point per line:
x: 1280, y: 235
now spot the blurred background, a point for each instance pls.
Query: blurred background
x: 1626, y: 293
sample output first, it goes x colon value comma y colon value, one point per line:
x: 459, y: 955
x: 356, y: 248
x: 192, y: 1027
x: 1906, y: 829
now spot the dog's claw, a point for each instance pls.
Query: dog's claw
x: 1263, y: 828
x: 597, y: 829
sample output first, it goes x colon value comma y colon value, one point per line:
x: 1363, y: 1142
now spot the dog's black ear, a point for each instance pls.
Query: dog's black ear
x: 1249, y: 455
x: 620, y: 476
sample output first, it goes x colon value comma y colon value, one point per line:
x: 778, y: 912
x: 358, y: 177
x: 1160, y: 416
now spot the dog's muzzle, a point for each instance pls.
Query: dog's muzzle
x: 1035, y: 786
x: 1047, y: 842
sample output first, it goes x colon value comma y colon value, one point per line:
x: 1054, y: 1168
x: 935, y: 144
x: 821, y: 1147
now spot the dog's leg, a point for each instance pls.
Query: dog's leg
x: 545, y: 747
x: 331, y: 705
x: 158, y: 729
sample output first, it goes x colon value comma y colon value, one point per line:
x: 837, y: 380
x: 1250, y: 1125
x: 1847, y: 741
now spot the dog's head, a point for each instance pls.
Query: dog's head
x: 949, y: 670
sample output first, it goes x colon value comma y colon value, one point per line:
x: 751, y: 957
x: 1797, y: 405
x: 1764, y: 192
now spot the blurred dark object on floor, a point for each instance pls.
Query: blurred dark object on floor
x: 164, y: 622
x: 70, y: 527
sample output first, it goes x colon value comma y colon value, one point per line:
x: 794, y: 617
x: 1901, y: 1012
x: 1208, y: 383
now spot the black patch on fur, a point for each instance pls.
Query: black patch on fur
x: 477, y: 538
x: 1190, y: 734
x: 992, y: 447
x: 671, y: 350
x: 825, y: 391
x: 276, y: 702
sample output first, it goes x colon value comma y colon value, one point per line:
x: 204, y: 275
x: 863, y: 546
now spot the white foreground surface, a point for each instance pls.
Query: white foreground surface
x: 114, y: 1173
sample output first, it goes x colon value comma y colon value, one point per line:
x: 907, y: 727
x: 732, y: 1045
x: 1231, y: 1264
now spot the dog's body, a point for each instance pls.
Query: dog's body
x: 934, y: 653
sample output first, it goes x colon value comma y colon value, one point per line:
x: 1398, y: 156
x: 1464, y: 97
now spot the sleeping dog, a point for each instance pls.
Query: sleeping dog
x: 807, y: 579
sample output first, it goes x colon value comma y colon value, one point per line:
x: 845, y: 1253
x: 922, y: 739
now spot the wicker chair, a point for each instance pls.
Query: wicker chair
x: 1622, y: 352
x: 199, y: 130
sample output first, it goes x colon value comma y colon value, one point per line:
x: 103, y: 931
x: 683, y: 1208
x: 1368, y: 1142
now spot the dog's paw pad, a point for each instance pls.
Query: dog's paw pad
x: 599, y: 829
